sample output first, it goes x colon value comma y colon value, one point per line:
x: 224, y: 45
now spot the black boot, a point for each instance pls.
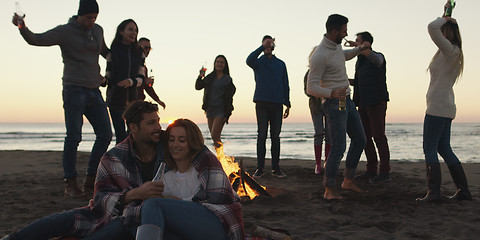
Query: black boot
x: 434, y: 180
x: 460, y: 180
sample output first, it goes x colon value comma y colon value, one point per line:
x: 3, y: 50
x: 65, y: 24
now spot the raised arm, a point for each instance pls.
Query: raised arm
x: 48, y: 38
x: 434, y: 29
x: 200, y: 82
x: 252, y: 59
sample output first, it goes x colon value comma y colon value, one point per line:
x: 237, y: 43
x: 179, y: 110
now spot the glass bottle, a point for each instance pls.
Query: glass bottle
x: 448, y: 12
x: 159, y: 176
x: 342, y: 103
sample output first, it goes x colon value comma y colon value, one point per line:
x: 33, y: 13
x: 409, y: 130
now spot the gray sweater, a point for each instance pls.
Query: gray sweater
x: 443, y: 73
x: 80, y: 50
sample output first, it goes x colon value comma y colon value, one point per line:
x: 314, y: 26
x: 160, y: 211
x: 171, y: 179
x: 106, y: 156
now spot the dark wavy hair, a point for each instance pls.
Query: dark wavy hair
x: 135, y: 111
x: 117, y: 41
x: 226, y: 70
x: 194, y: 138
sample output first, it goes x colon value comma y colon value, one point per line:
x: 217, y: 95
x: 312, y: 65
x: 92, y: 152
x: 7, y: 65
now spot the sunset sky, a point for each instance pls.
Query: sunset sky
x: 187, y: 34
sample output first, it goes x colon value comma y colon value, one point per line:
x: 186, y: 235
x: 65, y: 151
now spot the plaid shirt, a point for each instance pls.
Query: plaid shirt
x: 217, y: 195
x: 118, y: 171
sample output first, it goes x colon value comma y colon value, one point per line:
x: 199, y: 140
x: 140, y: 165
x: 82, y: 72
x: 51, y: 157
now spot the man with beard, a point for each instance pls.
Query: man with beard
x: 123, y: 183
x: 328, y: 79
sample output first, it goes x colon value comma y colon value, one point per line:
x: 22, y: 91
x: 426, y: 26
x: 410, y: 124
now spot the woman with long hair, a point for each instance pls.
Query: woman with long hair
x: 217, y: 97
x: 125, y: 71
x: 195, y: 189
x: 445, y: 69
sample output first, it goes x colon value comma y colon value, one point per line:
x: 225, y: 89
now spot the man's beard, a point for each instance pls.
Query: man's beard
x: 338, y: 40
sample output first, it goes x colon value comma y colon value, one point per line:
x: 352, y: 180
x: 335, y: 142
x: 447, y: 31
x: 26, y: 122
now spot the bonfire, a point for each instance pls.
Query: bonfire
x: 241, y: 181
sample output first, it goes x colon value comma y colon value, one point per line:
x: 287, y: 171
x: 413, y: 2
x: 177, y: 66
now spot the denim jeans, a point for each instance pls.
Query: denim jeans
x: 373, y: 121
x: 79, y: 101
x: 272, y: 113
x: 182, y: 219
x: 436, y: 138
x: 118, y: 124
x: 61, y: 225
x: 341, y: 123
x: 320, y: 126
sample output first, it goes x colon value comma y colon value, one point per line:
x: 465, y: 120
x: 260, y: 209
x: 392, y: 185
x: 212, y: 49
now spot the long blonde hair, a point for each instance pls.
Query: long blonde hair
x: 451, y: 32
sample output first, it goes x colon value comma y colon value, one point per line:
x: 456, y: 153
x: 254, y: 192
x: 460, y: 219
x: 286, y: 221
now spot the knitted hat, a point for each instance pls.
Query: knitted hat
x: 87, y: 6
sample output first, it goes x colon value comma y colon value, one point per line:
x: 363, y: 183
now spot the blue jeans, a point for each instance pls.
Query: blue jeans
x: 272, y: 113
x: 79, y: 101
x: 341, y: 123
x: 182, y: 219
x: 61, y: 225
x: 118, y: 124
x: 436, y: 138
x: 316, y: 110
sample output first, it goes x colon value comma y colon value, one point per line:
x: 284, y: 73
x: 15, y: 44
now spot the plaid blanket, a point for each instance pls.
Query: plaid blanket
x: 217, y: 194
x: 116, y: 172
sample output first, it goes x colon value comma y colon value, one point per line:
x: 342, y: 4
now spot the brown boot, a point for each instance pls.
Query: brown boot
x: 89, y: 184
x: 434, y: 181
x: 71, y: 188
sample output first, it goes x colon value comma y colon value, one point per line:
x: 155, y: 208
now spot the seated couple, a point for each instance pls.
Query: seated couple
x: 195, y: 200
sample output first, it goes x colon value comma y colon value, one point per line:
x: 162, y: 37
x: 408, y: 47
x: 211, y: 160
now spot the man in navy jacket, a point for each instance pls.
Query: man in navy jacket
x: 271, y: 93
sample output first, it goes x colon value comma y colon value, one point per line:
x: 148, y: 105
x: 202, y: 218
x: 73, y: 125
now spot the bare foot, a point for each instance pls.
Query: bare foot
x: 331, y: 195
x: 348, y: 184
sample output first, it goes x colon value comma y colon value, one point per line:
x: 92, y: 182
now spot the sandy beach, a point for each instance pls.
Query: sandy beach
x: 31, y: 187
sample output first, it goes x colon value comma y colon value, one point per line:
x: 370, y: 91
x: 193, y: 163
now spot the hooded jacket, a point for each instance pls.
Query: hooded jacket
x: 80, y: 50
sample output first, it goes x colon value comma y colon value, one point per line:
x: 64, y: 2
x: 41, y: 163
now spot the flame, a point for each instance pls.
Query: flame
x: 232, y: 170
x: 228, y: 163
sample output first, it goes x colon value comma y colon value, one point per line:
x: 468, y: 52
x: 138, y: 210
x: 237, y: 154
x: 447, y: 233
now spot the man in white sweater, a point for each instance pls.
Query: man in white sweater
x: 328, y: 79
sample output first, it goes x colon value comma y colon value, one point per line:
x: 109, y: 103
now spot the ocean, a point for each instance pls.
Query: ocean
x: 405, y: 140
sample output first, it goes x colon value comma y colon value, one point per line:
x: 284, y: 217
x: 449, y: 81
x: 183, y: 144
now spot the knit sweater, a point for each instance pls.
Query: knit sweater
x: 327, y: 69
x: 80, y: 49
x: 443, y: 73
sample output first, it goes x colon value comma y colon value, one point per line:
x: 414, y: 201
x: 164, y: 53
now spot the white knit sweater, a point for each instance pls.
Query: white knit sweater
x: 327, y: 69
x: 440, y: 96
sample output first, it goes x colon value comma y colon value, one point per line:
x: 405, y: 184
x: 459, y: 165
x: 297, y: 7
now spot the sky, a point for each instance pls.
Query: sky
x: 187, y: 34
